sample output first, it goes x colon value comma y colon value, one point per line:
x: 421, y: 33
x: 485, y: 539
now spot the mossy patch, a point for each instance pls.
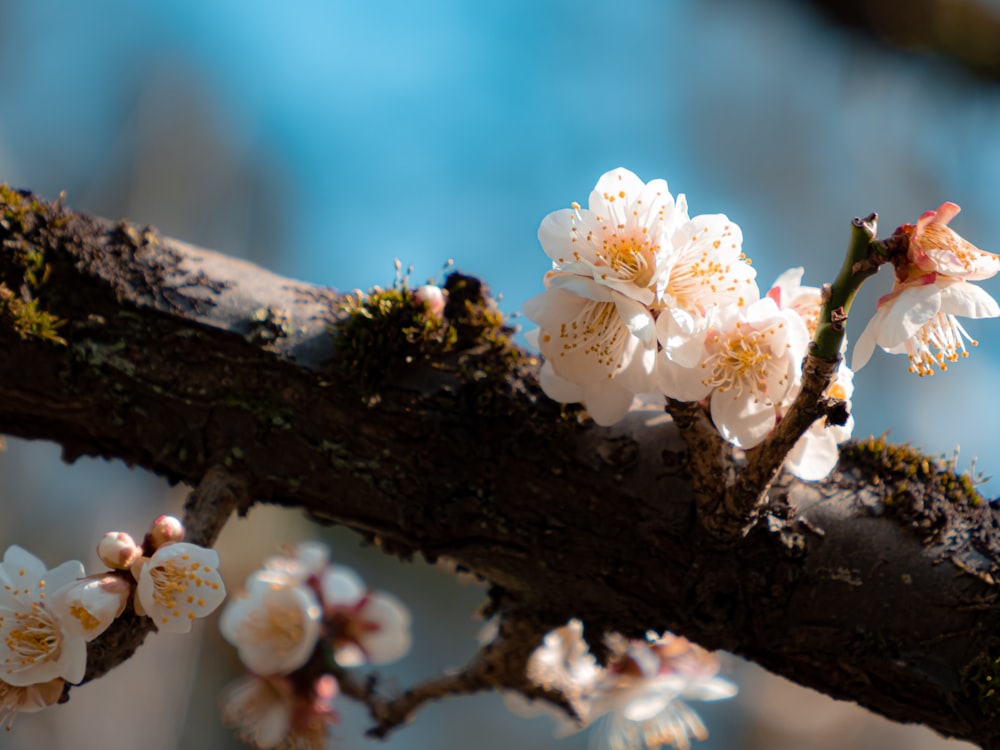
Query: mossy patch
x: 981, y: 683
x: 912, y: 484
x: 388, y: 330
x: 25, y: 270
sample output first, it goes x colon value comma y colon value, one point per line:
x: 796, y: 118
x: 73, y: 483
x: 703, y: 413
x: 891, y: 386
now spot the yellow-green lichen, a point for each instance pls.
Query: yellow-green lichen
x: 26, y: 269
x: 896, y: 466
x: 981, y: 683
x: 386, y: 330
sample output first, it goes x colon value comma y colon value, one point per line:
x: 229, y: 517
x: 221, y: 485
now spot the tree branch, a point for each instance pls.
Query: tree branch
x: 877, y: 585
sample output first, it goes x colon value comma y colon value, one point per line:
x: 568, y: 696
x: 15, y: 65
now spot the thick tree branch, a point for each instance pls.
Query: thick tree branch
x: 878, y: 585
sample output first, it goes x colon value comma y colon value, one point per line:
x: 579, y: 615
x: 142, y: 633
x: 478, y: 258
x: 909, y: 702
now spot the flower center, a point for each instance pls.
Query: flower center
x: 631, y: 255
x: 597, y: 331
x: 279, y: 626
x: 34, y: 637
x: 937, y: 343
x: 740, y: 363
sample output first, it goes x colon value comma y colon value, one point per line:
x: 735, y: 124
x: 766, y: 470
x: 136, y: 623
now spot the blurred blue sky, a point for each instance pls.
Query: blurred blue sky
x: 324, y: 139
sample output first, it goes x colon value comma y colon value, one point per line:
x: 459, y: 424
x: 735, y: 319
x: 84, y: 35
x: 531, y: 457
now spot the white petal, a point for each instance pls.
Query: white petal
x: 681, y: 383
x: 907, y: 313
x: 342, y: 587
x: 607, y: 404
x: 558, y: 388
x: 742, y: 421
x: 637, y: 319
x: 865, y: 345
x: 968, y: 300
x: 391, y: 640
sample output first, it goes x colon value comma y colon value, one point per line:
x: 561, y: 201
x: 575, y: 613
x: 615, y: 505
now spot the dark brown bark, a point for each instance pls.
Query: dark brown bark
x: 877, y: 585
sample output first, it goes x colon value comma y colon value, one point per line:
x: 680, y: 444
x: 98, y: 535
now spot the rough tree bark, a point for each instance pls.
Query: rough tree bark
x: 877, y: 585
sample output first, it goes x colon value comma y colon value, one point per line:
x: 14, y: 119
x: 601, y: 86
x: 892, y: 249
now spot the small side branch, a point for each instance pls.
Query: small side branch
x: 501, y: 664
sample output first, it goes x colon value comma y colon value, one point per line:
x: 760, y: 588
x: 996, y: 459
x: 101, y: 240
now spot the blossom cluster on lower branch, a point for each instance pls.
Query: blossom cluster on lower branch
x: 47, y: 617
x: 296, y: 615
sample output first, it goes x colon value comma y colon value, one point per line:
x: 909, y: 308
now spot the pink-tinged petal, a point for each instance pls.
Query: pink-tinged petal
x: 946, y: 212
x: 787, y: 284
x: 744, y: 422
x: 927, y: 217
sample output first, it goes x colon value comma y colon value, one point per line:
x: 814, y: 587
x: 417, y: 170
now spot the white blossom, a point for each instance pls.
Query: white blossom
x: 179, y: 583
x: 749, y: 360
x: 815, y: 454
x: 87, y: 607
x: 919, y: 317
x: 274, y: 624
x: 35, y: 644
x: 273, y: 712
x: 366, y: 627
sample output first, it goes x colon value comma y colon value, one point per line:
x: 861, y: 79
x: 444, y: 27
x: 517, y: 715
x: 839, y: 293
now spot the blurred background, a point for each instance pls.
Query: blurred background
x: 323, y: 139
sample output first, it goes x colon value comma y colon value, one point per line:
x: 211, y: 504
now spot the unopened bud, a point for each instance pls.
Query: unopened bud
x: 118, y: 550
x: 165, y: 530
x: 432, y: 297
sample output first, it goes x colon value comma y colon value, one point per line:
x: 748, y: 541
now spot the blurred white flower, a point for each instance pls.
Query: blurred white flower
x: 27, y: 699
x: 274, y: 624
x: 273, y: 712
x: 365, y: 627
x: 35, y: 645
x: 179, y: 583
x: 644, y: 688
x: 301, y: 561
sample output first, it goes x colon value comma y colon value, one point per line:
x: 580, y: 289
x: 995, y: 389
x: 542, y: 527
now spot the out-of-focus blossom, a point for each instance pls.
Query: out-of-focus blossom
x: 750, y: 359
x: 35, y: 644
x: 274, y: 624
x: 300, y: 562
x: 88, y: 606
x: 644, y: 689
x: 365, y: 627
x: 27, y: 698
x: 275, y: 712
x: 432, y: 297
x: 179, y: 583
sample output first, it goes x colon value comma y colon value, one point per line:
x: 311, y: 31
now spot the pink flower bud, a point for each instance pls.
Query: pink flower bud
x: 118, y: 550
x: 165, y: 530
x: 433, y: 297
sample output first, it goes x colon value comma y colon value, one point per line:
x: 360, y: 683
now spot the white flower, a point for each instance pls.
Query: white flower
x: 275, y: 624
x: 178, y: 583
x: 918, y: 318
x: 300, y: 561
x: 789, y: 294
x: 644, y: 689
x: 365, y: 627
x: 270, y: 712
x: 27, y: 699
x: 749, y: 360
x: 36, y: 645
x: 815, y: 454
x: 596, y: 328
x: 87, y: 607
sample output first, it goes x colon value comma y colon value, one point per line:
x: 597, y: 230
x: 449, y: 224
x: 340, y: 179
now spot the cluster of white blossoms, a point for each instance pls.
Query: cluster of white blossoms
x: 295, y: 614
x: 638, y: 699
x: 47, y: 617
x: 644, y: 299
x: 918, y: 317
